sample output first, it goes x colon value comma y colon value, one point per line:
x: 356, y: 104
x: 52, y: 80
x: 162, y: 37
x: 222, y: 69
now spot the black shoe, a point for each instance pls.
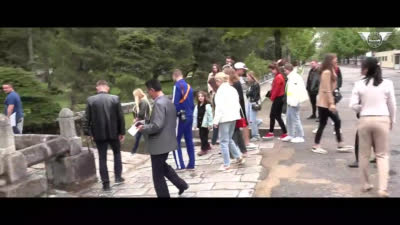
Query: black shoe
x: 353, y: 165
x: 119, y: 180
x: 311, y: 117
x: 106, y: 187
x: 373, y: 161
x: 183, y: 189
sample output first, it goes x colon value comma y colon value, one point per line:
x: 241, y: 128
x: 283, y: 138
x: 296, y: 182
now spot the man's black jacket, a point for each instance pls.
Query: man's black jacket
x: 313, y: 81
x: 104, y: 118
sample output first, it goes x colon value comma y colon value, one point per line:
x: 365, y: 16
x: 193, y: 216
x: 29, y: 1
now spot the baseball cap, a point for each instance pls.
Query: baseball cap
x: 240, y: 65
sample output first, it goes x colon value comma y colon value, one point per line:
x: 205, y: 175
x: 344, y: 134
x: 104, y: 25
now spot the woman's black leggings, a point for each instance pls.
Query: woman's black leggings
x: 324, y: 114
x: 276, y: 114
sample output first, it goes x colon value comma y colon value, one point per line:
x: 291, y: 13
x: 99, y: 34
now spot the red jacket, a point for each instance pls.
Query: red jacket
x: 278, y: 87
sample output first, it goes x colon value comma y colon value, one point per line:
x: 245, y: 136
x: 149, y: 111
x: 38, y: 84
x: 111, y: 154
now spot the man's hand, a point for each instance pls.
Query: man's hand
x: 140, y: 127
x: 215, y: 126
x: 210, y: 128
x: 332, y: 108
x: 121, y: 138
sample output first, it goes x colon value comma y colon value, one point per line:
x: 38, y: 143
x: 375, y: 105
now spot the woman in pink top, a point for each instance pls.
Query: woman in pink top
x: 373, y: 97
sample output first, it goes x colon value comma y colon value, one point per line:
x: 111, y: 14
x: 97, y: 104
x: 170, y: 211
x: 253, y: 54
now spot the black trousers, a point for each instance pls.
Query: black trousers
x: 116, y: 148
x: 324, y: 114
x: 313, y: 100
x: 356, y: 147
x: 204, y: 138
x: 238, y: 139
x: 162, y: 170
x: 276, y: 114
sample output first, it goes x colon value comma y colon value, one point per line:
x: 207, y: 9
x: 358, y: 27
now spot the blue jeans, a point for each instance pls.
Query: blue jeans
x: 138, y: 136
x: 293, y: 122
x: 226, y: 143
x: 253, y: 121
x: 185, y: 129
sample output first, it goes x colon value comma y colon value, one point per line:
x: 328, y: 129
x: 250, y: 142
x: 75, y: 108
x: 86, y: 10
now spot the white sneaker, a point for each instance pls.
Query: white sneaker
x: 297, y: 140
x: 287, y: 139
x: 224, y: 168
x: 346, y: 148
x: 253, y: 139
x: 334, y: 132
x: 251, y: 146
x: 315, y: 130
x: 319, y: 150
x: 241, y: 161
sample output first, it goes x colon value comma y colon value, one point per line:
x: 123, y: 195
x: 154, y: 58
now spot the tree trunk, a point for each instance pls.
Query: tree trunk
x: 278, y: 47
x: 355, y: 61
x: 30, y: 47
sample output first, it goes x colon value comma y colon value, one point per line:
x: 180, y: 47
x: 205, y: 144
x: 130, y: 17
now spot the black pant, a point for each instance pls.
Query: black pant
x: 204, y: 139
x: 276, y: 114
x: 215, y: 136
x: 238, y: 139
x: 160, y: 170
x: 324, y: 113
x: 356, y: 147
x: 116, y: 148
x: 313, y: 100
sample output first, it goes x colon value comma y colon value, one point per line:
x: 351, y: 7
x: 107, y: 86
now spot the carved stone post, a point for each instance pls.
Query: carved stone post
x: 77, y: 166
x: 14, y: 179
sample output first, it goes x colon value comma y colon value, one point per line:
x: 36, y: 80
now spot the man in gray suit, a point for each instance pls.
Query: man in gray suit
x: 160, y: 134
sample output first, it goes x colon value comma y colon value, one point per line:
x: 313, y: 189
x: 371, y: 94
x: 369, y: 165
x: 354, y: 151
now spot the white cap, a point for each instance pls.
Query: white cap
x: 240, y: 65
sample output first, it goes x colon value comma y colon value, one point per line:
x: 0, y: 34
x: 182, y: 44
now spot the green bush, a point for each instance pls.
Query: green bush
x: 40, y: 110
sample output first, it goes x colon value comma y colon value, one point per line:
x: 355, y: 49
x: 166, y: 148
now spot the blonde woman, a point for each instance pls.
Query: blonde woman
x: 141, y: 111
x: 227, y: 111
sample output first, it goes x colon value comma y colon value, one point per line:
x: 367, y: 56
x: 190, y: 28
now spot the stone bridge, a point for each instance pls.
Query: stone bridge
x: 67, y: 164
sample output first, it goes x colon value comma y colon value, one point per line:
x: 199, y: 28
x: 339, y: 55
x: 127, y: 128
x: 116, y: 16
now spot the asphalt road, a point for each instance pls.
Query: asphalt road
x: 292, y: 170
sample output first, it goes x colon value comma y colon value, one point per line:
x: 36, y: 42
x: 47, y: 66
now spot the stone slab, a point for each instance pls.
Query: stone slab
x: 218, y: 194
x: 234, y: 185
x: 31, y: 186
x: 131, y: 192
x: 246, y: 193
x: 251, y: 177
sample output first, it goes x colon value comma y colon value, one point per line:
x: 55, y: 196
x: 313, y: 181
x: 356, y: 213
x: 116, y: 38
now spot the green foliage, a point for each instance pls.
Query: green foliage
x: 257, y: 64
x: 40, y: 110
x: 301, y: 43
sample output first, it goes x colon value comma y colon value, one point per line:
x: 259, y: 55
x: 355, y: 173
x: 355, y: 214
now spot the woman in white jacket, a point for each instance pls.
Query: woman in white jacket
x: 296, y: 93
x: 227, y: 111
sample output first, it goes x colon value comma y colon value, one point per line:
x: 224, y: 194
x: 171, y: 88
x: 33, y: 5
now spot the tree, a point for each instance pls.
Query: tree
x: 40, y: 110
x: 301, y: 43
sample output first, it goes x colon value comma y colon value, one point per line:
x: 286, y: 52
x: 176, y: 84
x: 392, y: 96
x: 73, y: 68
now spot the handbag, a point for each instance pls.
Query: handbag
x: 337, y: 95
x: 240, y: 123
x: 257, y: 106
x: 268, y: 95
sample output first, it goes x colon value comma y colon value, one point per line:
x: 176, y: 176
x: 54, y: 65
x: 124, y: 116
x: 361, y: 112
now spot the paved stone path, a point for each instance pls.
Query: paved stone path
x: 205, y: 181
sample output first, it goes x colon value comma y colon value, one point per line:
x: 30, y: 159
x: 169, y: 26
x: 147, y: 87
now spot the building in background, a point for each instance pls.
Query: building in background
x: 389, y: 59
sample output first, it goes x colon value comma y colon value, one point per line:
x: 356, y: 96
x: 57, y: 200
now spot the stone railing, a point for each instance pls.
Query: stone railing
x: 67, y: 164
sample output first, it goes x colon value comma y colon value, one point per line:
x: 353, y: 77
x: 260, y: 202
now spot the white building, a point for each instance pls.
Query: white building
x: 389, y: 59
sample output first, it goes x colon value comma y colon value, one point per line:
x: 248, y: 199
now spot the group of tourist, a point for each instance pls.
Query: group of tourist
x: 230, y: 108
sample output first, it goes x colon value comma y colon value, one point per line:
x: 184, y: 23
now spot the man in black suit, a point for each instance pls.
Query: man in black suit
x: 105, y: 123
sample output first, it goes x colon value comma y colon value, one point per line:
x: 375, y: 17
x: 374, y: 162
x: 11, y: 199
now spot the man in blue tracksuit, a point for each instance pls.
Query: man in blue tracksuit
x: 183, y: 100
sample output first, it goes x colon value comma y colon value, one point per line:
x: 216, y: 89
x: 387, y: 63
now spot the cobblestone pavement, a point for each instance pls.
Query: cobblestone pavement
x: 205, y: 181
